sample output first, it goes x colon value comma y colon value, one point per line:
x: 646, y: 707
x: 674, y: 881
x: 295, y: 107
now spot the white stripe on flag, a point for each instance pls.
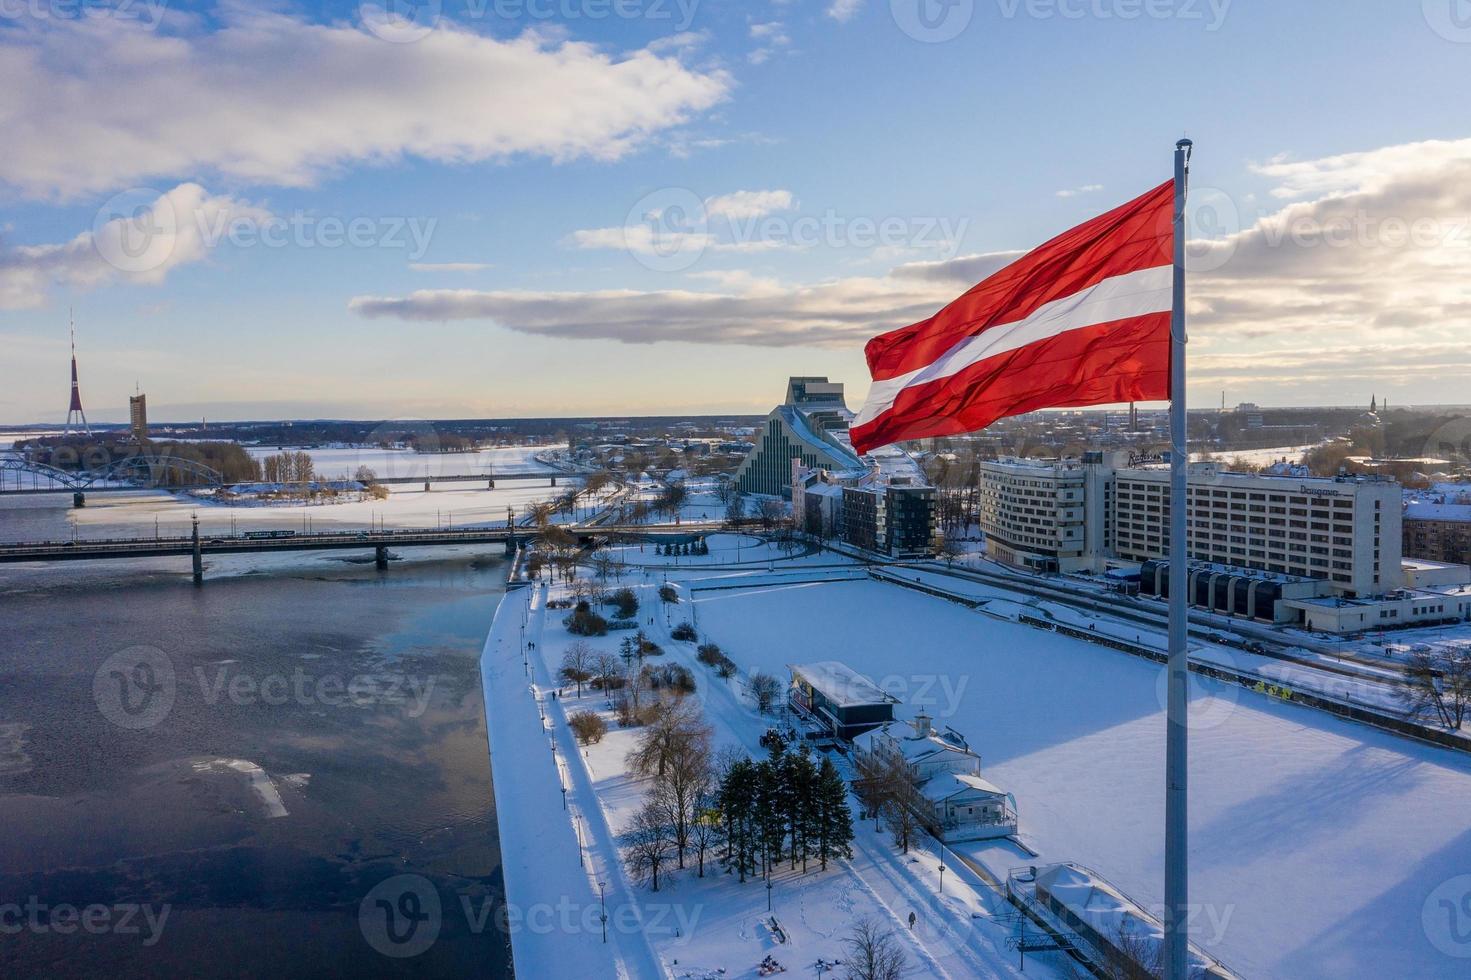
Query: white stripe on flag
x: 1116, y: 298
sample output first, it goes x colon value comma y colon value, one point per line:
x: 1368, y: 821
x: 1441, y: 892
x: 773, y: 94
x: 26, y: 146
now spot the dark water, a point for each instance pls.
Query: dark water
x: 213, y: 782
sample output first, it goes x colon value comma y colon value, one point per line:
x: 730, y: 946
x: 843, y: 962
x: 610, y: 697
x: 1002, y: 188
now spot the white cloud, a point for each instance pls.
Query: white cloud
x: 741, y: 205
x: 772, y: 32
x: 137, y: 239
x: 839, y: 313
x: 449, y: 266
x: 1075, y: 191
x: 842, y: 11
x: 269, y: 98
x: 1364, y: 281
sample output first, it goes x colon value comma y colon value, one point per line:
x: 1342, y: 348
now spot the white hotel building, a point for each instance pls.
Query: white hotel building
x: 1307, y: 543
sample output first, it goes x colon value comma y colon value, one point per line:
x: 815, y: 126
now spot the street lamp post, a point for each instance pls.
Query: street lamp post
x: 604, y: 917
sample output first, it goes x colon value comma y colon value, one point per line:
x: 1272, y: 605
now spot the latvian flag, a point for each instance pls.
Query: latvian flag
x: 1081, y: 320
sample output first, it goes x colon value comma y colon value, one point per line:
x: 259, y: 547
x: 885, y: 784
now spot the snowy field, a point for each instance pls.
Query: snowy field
x: 1259, y: 457
x: 702, y: 928
x: 392, y: 463
x: 1317, y: 845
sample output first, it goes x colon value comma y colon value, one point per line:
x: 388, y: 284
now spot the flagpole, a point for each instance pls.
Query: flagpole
x: 1176, y: 918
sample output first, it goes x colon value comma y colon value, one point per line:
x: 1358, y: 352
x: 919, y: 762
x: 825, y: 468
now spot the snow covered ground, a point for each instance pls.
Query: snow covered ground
x: 1259, y: 457
x: 697, y: 927
x: 390, y: 463
x: 1318, y: 845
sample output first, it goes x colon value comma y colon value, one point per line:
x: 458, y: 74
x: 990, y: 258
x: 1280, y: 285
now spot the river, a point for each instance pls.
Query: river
x: 283, y: 773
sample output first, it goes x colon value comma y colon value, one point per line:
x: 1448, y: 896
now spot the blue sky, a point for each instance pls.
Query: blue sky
x: 522, y: 160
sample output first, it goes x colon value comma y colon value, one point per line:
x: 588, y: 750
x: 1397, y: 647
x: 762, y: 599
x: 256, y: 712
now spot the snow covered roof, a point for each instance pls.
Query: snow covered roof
x: 948, y: 784
x: 914, y: 747
x: 840, y: 684
x: 1110, y: 912
x: 1423, y: 511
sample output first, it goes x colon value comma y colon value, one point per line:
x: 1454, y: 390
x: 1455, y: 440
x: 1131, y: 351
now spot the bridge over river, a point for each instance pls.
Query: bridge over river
x: 196, y: 547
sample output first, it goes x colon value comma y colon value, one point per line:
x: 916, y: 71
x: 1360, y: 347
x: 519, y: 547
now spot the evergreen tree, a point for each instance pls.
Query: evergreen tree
x: 737, y: 796
x: 834, y: 820
x: 770, y: 814
x: 799, y: 794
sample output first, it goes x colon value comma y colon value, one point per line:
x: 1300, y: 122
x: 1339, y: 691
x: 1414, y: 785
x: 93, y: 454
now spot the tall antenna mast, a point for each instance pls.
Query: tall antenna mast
x: 74, y: 411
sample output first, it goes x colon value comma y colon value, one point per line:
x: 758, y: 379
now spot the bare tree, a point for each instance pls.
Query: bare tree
x: 606, y: 668
x: 603, y: 565
x: 632, y: 696
x: 1438, y: 685
x: 686, y: 781
x: 578, y: 663
x: 947, y: 548
x: 674, y: 724
x: 649, y: 843
x: 770, y: 511
x: 900, y: 814
x: 706, y: 829
x: 765, y: 689
x: 873, y: 953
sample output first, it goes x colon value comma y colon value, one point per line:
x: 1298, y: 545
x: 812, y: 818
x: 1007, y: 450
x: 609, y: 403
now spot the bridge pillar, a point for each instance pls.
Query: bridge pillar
x: 492, y: 484
x: 554, y: 481
x: 79, y: 499
x: 511, y: 532
x: 197, y: 555
x: 380, y: 557
x: 426, y: 486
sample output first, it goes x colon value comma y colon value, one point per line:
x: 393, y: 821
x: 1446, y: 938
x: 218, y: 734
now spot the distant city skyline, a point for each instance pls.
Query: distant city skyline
x: 524, y: 216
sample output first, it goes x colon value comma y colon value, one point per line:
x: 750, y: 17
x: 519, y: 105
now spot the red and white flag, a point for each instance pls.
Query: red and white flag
x: 1081, y: 320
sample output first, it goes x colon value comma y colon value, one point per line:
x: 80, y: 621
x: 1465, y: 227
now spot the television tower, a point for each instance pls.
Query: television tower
x: 75, y: 411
